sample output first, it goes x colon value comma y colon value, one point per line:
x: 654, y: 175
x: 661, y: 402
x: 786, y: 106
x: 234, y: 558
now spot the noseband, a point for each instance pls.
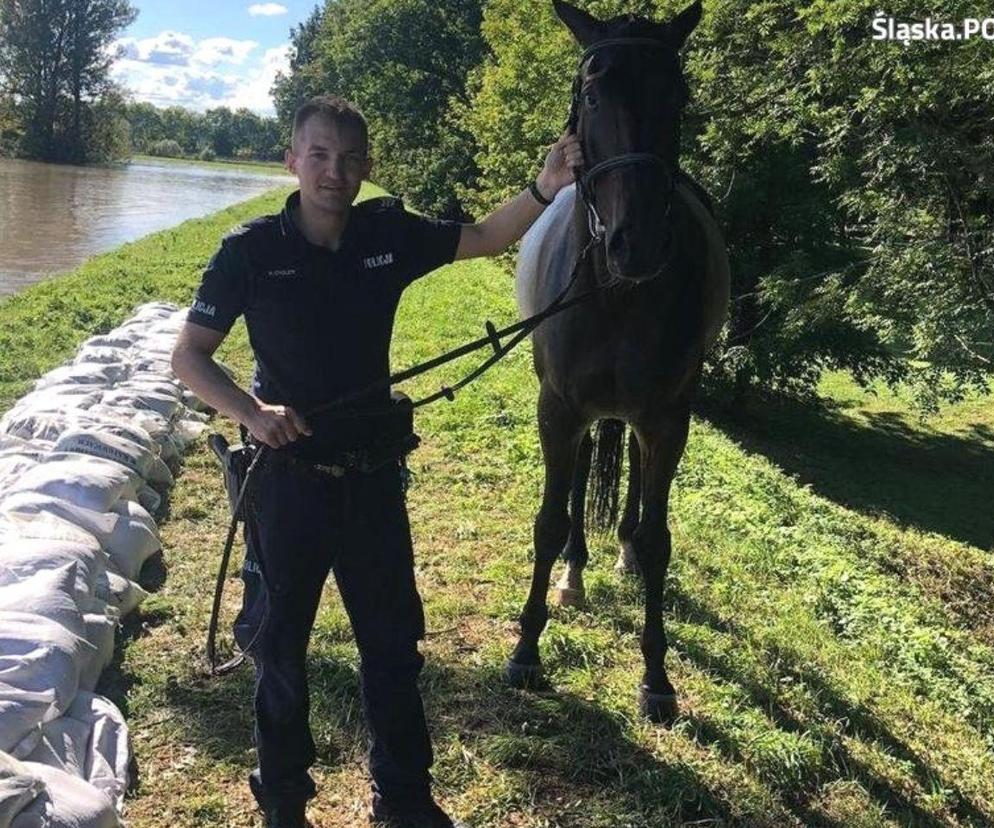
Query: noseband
x: 585, y: 181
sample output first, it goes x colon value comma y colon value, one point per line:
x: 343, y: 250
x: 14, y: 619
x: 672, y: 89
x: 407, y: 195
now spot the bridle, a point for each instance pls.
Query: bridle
x: 585, y: 181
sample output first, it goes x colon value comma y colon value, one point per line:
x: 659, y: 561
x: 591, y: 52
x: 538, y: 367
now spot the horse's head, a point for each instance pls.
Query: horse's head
x: 628, y: 98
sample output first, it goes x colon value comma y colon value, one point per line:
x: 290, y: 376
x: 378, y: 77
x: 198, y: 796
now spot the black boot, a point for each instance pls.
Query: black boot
x: 382, y: 815
x: 286, y: 815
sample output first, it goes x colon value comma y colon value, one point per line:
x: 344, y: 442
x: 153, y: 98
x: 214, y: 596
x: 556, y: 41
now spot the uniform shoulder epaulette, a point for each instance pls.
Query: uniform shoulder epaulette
x: 382, y: 204
x: 236, y: 231
x: 250, y: 227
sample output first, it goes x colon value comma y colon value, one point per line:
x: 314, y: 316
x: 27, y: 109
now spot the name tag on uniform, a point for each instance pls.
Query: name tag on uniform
x: 380, y: 260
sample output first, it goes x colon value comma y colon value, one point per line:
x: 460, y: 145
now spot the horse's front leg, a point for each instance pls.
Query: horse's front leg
x: 662, y: 439
x: 569, y: 588
x: 560, y: 430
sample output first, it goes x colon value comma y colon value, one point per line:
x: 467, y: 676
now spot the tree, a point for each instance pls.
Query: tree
x: 306, y: 73
x: 54, y: 64
x: 92, y: 26
x: 852, y: 179
x: 404, y: 63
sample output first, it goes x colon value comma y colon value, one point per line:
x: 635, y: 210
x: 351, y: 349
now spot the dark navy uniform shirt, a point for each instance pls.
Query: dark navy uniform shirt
x: 320, y: 320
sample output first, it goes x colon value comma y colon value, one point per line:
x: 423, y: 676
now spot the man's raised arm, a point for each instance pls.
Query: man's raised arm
x: 508, y: 223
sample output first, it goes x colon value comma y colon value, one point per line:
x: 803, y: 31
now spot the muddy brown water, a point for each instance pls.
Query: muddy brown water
x: 54, y: 217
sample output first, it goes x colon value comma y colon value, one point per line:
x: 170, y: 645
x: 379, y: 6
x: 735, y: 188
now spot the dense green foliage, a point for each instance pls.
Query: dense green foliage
x: 226, y: 133
x: 55, y: 89
x: 404, y: 63
x: 853, y: 178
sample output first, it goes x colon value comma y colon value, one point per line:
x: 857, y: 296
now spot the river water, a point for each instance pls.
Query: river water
x: 54, y: 217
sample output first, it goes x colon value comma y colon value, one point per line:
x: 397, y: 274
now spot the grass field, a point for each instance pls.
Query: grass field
x: 830, y: 603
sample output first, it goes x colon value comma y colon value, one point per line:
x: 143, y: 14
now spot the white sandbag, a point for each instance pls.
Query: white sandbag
x: 109, y: 447
x: 40, y: 663
x: 45, y: 420
x: 13, y: 464
x: 101, y: 354
x: 90, y: 741
x: 127, y: 533
x: 122, y: 593
x: 50, y: 593
x: 154, y: 381
x: 135, y: 538
x: 62, y: 744
x: 103, y: 374
x: 90, y: 482
x: 109, y: 749
x: 152, y: 423
x: 100, y: 630
x: 8, y: 442
x: 22, y: 557
x: 138, y: 399
x: 119, y: 339
x: 66, y: 802
x: 18, y: 788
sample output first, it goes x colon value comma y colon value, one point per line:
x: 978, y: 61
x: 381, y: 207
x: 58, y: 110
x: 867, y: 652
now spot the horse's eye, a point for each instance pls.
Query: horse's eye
x: 590, y: 100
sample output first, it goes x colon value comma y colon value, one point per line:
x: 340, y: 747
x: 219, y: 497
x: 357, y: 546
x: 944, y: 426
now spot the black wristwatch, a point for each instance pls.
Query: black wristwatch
x: 541, y: 199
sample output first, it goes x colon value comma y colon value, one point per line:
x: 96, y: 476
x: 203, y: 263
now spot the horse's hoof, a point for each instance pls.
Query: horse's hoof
x: 626, y: 564
x: 660, y: 708
x: 570, y: 597
x: 524, y: 676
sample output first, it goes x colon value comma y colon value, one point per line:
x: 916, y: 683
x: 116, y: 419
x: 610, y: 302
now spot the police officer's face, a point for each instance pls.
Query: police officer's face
x: 330, y: 163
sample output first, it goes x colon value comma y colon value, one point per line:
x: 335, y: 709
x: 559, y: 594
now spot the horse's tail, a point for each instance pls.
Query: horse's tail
x: 605, y: 467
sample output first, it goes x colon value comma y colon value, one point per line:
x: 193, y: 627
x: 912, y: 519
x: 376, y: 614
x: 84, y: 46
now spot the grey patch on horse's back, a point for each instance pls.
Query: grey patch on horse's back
x: 547, y: 247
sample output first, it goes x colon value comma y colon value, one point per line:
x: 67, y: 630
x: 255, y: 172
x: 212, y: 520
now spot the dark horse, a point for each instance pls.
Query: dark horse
x: 633, y: 353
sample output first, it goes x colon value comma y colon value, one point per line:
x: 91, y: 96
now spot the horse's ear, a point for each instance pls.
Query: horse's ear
x: 683, y: 24
x: 585, y: 28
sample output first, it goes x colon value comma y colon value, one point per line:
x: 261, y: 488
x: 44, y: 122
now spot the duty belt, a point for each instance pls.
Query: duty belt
x: 338, y: 464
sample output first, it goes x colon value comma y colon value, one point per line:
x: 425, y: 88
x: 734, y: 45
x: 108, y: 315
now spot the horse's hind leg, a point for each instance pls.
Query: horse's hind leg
x: 569, y: 589
x: 662, y: 439
x: 627, y: 562
x: 561, y: 430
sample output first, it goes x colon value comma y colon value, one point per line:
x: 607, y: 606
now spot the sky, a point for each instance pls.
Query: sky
x: 200, y: 54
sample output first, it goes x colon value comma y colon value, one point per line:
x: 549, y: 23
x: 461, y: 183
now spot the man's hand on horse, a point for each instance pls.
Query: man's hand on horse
x: 564, y: 158
x: 277, y: 425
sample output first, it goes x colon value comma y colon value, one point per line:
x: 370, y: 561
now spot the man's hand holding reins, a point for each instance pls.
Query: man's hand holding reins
x: 276, y: 425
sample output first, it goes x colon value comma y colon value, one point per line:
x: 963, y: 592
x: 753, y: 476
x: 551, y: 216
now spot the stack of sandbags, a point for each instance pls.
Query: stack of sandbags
x: 84, y: 464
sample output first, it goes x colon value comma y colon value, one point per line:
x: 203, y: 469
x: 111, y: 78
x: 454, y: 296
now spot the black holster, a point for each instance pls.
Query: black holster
x: 235, y: 462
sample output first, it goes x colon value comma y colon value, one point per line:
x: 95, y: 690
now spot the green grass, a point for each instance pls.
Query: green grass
x: 828, y: 606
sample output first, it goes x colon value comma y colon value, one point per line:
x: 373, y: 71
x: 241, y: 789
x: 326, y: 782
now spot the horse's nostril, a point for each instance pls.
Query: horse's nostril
x: 617, y: 244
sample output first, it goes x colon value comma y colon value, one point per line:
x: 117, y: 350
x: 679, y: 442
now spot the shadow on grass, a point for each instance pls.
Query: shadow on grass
x: 856, y: 722
x: 561, y: 748
x: 939, y: 483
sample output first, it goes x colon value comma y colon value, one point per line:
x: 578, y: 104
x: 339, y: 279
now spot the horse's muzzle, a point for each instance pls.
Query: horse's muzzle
x: 637, y: 260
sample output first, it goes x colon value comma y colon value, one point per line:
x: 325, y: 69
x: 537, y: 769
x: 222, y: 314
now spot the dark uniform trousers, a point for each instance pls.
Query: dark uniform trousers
x: 301, y: 525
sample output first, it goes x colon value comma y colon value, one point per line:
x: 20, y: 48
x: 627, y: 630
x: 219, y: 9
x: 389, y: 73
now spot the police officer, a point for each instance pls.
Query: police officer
x: 319, y: 285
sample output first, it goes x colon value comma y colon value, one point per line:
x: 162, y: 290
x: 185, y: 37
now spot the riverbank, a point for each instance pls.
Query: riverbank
x: 834, y: 655
x: 261, y: 167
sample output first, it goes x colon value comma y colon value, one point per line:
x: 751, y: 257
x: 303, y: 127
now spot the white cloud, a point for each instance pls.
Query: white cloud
x: 215, y: 72
x: 253, y: 93
x: 223, y: 50
x: 266, y: 9
x: 166, y: 48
